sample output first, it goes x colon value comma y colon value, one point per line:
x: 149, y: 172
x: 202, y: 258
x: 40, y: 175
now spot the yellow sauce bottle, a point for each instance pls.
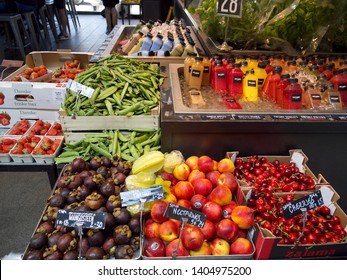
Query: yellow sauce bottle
x: 206, y: 62
x: 188, y: 62
x: 250, y: 88
x: 195, y: 78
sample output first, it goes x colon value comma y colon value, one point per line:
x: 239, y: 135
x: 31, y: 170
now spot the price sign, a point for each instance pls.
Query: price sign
x: 147, y: 194
x: 229, y: 8
x: 309, y: 202
x: 84, y: 90
x: 178, y: 212
x: 74, y: 218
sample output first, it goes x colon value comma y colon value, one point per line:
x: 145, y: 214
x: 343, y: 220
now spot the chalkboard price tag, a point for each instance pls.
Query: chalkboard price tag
x: 177, y: 212
x: 309, y: 202
x: 229, y: 8
x: 147, y: 194
x: 86, y: 219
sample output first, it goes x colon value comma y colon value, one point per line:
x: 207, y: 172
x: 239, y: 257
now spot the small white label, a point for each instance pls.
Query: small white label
x: 86, y: 91
x: 58, y: 95
x: 298, y: 159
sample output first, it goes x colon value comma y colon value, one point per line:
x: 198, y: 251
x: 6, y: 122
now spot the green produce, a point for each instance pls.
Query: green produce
x: 123, y: 87
x: 127, y: 145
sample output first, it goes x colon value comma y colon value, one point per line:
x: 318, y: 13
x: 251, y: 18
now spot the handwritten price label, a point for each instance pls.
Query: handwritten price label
x: 178, y: 212
x: 88, y: 219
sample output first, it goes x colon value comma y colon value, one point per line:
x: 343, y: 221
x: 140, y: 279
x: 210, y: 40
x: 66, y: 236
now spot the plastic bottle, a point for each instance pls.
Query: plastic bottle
x: 220, y: 77
x: 280, y: 89
x: 332, y: 97
x: 188, y: 48
x: 268, y: 67
x: 235, y: 81
x: 207, y: 71
x: 157, y: 43
x: 272, y: 79
x: 328, y: 70
x: 278, y: 61
x: 132, y: 42
x: 244, y: 67
x: 213, y: 64
x: 340, y: 83
x: 312, y: 98
x: 137, y: 47
x: 178, y: 49
x: 162, y: 53
x: 291, y: 68
x: 168, y: 43
x: 292, y: 95
x: 195, y: 79
x: 188, y: 62
x: 252, y: 62
x: 261, y: 74
x: 147, y: 42
x: 250, y: 89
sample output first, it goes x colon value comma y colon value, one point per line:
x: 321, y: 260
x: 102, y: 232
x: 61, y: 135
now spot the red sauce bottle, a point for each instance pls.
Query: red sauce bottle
x: 292, y: 95
x: 235, y: 81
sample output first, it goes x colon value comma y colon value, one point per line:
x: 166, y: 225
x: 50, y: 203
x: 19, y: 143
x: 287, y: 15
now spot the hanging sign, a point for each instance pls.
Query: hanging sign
x: 88, y: 219
x: 229, y: 8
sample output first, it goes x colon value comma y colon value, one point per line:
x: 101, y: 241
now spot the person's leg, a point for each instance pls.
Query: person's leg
x: 108, y: 16
x: 114, y: 17
x: 60, y: 5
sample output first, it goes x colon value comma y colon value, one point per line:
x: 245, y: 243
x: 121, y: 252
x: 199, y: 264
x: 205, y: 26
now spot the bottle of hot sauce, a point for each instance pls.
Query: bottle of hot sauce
x: 250, y: 89
x: 220, y: 78
x: 235, y: 82
x: 196, y: 73
x: 292, y: 95
x: 272, y: 79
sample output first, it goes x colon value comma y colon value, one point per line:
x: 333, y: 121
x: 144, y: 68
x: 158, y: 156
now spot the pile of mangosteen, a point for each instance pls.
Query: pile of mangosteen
x: 93, y: 185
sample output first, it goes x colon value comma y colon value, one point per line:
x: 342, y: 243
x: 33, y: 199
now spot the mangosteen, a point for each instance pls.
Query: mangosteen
x: 110, y: 222
x: 52, y: 253
x: 56, y: 200
x: 53, y: 237
x: 78, y: 165
x: 83, y: 192
x: 65, y: 192
x: 122, y: 234
x: 106, y: 162
x: 68, y: 170
x: 113, y: 202
x: 75, y: 182
x: 94, y: 201
x: 38, y: 240
x: 121, y: 215
x: 119, y: 178
x: 72, y: 197
x: 109, y: 246
x: 45, y: 227
x: 63, y: 181
x: 66, y: 242
x: 34, y: 255
x: 124, y: 252
x: 50, y: 214
x: 95, y: 163
x: 104, y: 171
x: 89, y: 183
x: 95, y: 253
x: 107, y: 188
x: 135, y: 242
x: 135, y: 225
x: 95, y: 237
x: 84, y: 174
x: 71, y: 255
x: 85, y: 246
x: 72, y: 206
x: 82, y: 206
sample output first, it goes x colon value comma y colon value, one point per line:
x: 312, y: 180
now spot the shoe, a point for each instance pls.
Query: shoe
x: 108, y: 32
x: 63, y: 37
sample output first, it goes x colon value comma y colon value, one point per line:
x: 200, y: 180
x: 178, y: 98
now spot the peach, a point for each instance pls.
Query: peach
x: 198, y: 201
x: 213, y: 211
x: 173, y: 245
x: 192, y: 237
x: 168, y: 231
x: 154, y: 248
x: 228, y: 209
x: 181, y: 172
x: 227, y: 230
x: 168, y: 177
x: 205, y: 164
x: 221, y: 195
x: 229, y: 180
x: 241, y: 246
x: 203, y: 186
x: 219, y: 247
x: 225, y: 165
x: 184, y: 202
x: 213, y: 176
x: 194, y: 175
x: 192, y: 162
x: 209, y: 230
x: 151, y: 229
x: 184, y: 190
x: 204, y: 250
x: 170, y: 198
x: 215, y: 165
x: 157, y: 211
x: 243, y: 216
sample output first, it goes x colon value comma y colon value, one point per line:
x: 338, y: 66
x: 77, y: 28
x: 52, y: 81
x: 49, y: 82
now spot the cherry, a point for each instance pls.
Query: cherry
x: 311, y: 238
x: 324, y: 210
x: 276, y: 163
x: 335, y: 220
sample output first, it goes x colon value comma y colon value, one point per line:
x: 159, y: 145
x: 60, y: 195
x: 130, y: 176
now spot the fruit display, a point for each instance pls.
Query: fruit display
x: 31, y: 74
x: 25, y: 145
x: 20, y: 128
x: 63, y: 75
x: 48, y: 146
x: 205, y: 185
x: 6, y: 144
x: 93, y: 185
x: 123, y: 87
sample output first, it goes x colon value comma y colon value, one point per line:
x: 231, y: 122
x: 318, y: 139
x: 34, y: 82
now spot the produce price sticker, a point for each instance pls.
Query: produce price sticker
x: 229, y: 8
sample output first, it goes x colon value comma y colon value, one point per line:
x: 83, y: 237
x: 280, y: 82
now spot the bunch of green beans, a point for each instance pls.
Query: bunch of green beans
x: 122, y: 87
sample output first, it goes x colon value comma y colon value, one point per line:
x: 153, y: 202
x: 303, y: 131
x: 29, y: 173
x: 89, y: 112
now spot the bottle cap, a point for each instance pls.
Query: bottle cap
x: 293, y: 80
x: 262, y: 64
x: 277, y: 69
x: 199, y: 58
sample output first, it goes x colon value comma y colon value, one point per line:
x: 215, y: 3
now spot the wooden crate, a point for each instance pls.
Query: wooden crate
x: 75, y: 129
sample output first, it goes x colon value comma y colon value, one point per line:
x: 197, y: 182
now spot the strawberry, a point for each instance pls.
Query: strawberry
x: 5, y: 121
x: 46, y: 146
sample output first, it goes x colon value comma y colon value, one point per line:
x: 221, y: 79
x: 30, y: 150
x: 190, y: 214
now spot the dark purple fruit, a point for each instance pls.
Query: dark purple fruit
x: 106, y: 162
x: 109, y: 246
x: 107, y: 188
x: 38, y: 240
x: 68, y: 170
x: 135, y: 225
x: 75, y: 182
x: 65, y: 192
x: 53, y: 238
x: 52, y: 253
x: 119, y: 178
x: 45, y: 227
x: 95, y: 253
x: 57, y: 200
x: 34, y: 255
x: 63, y: 181
x: 82, y: 207
x: 113, y: 202
x: 122, y: 234
x: 78, y: 165
x: 85, y: 246
x: 66, y: 242
x: 83, y: 192
x: 95, y: 163
x: 95, y: 237
x: 135, y: 242
x: 124, y: 252
x: 122, y: 216
x: 104, y: 171
x: 71, y: 255
x: 89, y: 183
x: 110, y: 222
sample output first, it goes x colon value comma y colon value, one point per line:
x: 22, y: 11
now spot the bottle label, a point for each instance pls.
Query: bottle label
x: 196, y: 73
x: 221, y: 75
x: 296, y: 98
x: 342, y: 87
x: 206, y: 69
x: 237, y: 79
x: 189, y: 69
x: 335, y: 99
x: 252, y: 83
x: 316, y: 97
x: 260, y: 82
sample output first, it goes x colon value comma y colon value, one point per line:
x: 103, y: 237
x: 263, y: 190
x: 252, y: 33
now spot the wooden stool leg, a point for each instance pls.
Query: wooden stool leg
x: 43, y: 16
x: 18, y: 38
x: 32, y: 32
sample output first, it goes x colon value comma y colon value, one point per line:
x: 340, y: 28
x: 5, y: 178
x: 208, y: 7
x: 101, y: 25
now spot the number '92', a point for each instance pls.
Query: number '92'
x: 222, y: 270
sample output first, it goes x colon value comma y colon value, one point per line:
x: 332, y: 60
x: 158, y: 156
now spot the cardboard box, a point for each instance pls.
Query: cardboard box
x: 267, y: 245
x: 14, y: 115
x: 39, y: 95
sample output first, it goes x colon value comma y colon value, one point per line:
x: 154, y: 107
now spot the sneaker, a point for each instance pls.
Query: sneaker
x: 63, y: 37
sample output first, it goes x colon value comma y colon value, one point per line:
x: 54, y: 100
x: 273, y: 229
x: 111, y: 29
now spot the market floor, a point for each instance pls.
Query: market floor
x: 24, y: 194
